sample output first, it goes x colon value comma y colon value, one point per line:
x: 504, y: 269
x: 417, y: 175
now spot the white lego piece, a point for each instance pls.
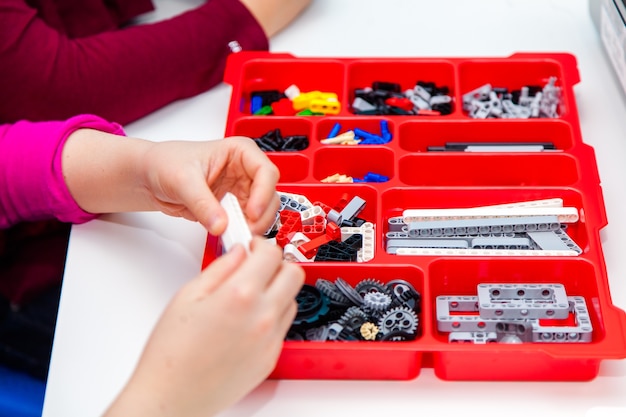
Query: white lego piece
x: 292, y: 254
x: 308, y: 215
x: 366, y: 253
x: 237, y: 230
x: 299, y: 238
x: 292, y: 92
x: 547, y: 202
x: 564, y: 214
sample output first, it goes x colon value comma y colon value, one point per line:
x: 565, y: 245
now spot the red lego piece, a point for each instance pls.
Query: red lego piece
x: 316, y: 229
x: 324, y: 206
x: 283, y: 107
x: 290, y: 224
x: 309, y: 248
x: 333, y: 231
x: 341, y: 204
x: 403, y: 103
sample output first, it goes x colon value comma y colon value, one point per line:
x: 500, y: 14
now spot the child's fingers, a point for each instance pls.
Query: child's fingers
x: 220, y: 270
x: 259, y: 268
x: 197, y: 197
x: 268, y: 217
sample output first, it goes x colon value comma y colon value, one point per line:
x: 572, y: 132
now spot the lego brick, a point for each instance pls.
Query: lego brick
x: 554, y: 240
x: 473, y: 337
x: 353, y: 208
x: 500, y: 242
x: 535, y: 301
x: 580, y: 332
x: 308, y: 216
x: 288, y: 203
x: 292, y: 254
x: 237, y: 230
x: 483, y: 225
x: 393, y: 244
x: 483, y: 252
x: 448, y: 322
x: 303, y: 201
x: 563, y: 214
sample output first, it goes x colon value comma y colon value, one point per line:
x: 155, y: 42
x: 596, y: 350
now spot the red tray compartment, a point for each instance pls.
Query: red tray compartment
x: 419, y: 178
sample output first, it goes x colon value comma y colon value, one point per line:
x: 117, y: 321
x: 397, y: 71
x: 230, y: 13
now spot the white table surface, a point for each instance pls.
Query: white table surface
x: 122, y: 269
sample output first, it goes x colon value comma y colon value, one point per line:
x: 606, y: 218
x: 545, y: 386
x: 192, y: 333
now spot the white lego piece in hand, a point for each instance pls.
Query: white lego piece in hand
x: 237, y: 230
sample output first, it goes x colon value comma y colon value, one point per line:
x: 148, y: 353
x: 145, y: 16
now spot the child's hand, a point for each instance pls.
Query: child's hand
x: 220, y: 336
x: 188, y: 179
x: 106, y: 173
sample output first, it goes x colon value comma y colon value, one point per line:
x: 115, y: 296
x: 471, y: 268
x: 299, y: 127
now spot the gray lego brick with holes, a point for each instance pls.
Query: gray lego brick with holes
x: 353, y: 208
x: 394, y: 244
x: 396, y: 224
x: 514, y: 333
x: 397, y: 240
x: 479, y: 338
x: 554, y: 240
x: 486, y: 225
x: 531, y: 301
x: 449, y: 318
x: 288, y: 203
x: 580, y: 332
x: 498, y: 291
x: 501, y: 243
x: 467, y: 238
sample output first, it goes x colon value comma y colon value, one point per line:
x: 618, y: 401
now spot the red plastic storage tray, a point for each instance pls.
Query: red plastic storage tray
x: 421, y: 179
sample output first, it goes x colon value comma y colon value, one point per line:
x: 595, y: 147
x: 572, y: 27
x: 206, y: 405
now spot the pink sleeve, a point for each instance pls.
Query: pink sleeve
x: 32, y: 186
x: 121, y: 75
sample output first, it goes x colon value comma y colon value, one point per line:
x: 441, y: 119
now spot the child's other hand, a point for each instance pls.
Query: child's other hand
x: 219, y: 338
x: 188, y: 179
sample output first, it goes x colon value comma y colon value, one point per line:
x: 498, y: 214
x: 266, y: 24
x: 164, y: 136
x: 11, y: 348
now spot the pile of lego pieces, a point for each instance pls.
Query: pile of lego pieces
x: 293, y: 102
x: 533, y: 228
x: 528, y: 102
x: 369, y: 311
x: 515, y: 313
x: 274, y: 141
x: 343, y: 178
x: 310, y: 232
x: 387, y: 98
x: 358, y: 136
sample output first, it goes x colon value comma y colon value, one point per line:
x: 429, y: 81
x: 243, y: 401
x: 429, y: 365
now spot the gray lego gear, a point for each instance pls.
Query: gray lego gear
x: 330, y: 290
x: 370, y: 285
x: 376, y: 302
x: 348, y: 291
x: 398, y: 319
x: 353, y: 319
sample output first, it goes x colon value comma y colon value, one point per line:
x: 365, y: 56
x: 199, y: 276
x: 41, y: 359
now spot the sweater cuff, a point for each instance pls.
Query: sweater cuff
x: 32, y: 163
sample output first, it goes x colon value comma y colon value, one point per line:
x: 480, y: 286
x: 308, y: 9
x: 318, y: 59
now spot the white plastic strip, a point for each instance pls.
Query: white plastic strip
x: 237, y: 230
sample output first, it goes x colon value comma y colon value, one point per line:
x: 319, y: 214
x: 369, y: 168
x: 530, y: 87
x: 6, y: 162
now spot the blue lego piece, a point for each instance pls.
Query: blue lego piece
x: 384, y: 131
x: 335, y: 130
x: 256, y: 103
